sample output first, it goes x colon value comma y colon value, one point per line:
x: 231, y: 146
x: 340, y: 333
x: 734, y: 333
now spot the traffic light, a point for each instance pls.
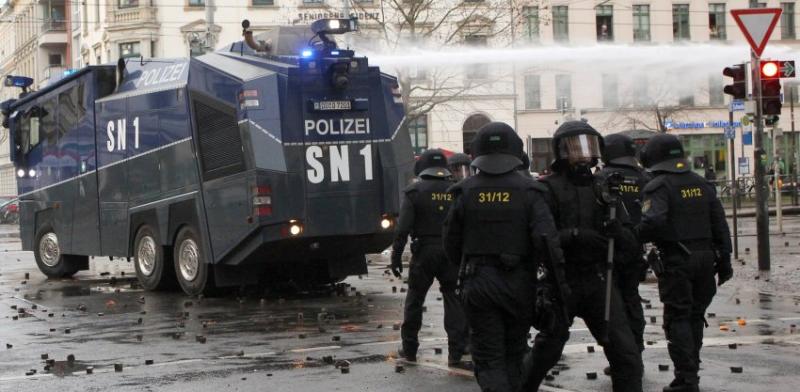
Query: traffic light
x: 738, y: 90
x: 770, y: 70
x: 771, y: 96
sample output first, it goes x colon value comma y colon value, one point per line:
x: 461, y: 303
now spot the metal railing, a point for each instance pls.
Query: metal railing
x: 53, y: 71
x: 54, y: 25
x: 743, y: 192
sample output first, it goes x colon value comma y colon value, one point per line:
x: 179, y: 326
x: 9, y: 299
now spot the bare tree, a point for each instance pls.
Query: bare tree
x: 438, y: 24
x: 649, y: 103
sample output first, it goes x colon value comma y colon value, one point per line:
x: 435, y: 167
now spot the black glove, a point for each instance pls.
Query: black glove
x: 723, y: 268
x: 397, y: 264
x: 591, y: 239
x: 612, y: 228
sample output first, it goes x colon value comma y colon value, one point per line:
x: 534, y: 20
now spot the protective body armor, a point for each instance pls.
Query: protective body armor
x: 576, y: 207
x: 690, y: 198
x: 631, y: 190
x: 431, y: 203
x: 496, y: 210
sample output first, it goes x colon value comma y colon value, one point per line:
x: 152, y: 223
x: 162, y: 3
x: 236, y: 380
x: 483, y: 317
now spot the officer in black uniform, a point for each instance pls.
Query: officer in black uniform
x: 682, y: 215
x: 497, y: 223
x: 422, y: 211
x: 619, y: 156
x: 459, y: 164
x: 584, y: 228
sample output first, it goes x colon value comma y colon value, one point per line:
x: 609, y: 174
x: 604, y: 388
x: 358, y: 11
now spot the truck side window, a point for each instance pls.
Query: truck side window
x: 48, y: 122
x: 29, y: 130
x: 69, y: 110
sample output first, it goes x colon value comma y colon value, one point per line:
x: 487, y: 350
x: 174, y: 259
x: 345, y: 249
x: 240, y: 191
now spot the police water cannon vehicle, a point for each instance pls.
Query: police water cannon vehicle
x: 278, y: 158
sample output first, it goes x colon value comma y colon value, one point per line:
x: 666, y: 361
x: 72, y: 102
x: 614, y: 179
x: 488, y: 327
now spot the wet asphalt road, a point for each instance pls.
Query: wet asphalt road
x: 288, y: 340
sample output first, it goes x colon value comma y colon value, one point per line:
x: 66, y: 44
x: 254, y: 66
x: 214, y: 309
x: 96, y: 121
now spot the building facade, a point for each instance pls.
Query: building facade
x: 450, y: 102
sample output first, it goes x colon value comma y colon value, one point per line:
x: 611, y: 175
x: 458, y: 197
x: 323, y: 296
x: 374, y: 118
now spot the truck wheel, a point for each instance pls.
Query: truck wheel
x: 49, y: 258
x: 191, y: 267
x: 152, y: 268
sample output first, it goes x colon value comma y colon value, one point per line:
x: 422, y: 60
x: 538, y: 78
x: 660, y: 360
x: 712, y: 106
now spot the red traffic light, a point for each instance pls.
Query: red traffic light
x: 770, y: 69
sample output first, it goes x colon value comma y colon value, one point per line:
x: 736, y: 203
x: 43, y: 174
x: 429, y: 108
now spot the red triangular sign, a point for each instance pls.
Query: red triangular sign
x: 757, y: 25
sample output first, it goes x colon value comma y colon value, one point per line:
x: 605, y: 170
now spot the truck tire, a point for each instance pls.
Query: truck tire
x: 49, y: 258
x: 191, y: 267
x: 153, y: 267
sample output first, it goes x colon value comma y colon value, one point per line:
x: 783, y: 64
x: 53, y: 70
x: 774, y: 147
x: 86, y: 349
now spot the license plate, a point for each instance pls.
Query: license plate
x: 333, y: 105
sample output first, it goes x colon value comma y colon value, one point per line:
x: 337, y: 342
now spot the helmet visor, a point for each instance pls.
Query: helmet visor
x: 460, y: 171
x: 580, y: 148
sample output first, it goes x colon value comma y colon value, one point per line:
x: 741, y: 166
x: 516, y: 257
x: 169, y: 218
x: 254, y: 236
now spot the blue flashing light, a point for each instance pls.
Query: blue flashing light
x: 18, y: 81
x: 334, y: 52
x: 68, y: 72
x: 306, y: 53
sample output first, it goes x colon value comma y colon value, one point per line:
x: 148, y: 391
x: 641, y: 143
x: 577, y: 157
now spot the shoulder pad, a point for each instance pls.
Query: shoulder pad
x: 538, y: 186
x: 455, y: 189
x: 655, y: 183
x: 411, y: 188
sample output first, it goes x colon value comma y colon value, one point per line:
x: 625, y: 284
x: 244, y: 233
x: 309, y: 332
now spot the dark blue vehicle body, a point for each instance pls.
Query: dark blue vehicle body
x: 239, y: 146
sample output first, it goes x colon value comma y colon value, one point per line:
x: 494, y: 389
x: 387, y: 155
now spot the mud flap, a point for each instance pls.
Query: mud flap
x: 227, y: 275
x: 347, y: 266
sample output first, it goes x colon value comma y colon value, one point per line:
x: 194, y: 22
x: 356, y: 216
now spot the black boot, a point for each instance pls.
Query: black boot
x: 679, y: 385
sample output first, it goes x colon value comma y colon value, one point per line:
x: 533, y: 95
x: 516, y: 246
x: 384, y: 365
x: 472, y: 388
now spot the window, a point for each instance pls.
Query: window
x: 641, y: 22
x: 477, y: 71
x: 563, y: 92
x: 128, y: 3
x: 560, y: 23
x: 98, y: 61
x: 418, y: 129
x: 54, y: 59
x: 312, y: 1
x: 716, y: 21
x: 129, y: 49
x: 533, y: 87
x: 680, y: 22
x: 787, y: 21
x: 604, y: 20
x: 48, y: 121
x: 70, y: 110
x: 257, y: 3
x: 686, y: 95
x: 640, y: 97
x: 197, y: 3
x: 532, y: 23
x: 610, y: 91
x: 715, y: 95
x: 541, y: 154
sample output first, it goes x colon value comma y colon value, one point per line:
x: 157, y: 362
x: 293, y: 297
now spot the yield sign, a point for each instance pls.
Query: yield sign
x: 757, y: 25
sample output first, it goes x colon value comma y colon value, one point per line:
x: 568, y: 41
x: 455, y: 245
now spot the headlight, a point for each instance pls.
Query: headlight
x: 387, y: 222
x: 295, y: 228
x: 32, y: 173
x: 21, y: 173
x: 334, y: 24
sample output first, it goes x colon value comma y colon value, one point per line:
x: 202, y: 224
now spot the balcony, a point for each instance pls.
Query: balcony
x: 131, y: 17
x: 53, y: 33
x: 51, y: 73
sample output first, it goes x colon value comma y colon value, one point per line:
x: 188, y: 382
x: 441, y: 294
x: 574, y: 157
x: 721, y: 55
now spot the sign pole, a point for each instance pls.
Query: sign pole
x: 762, y: 211
x: 734, y: 186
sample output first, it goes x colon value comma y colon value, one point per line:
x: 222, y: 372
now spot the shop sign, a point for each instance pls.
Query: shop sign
x: 362, y: 16
x: 670, y: 124
x: 744, y: 165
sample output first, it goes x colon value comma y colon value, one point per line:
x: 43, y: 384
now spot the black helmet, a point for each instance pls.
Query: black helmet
x: 664, y: 152
x: 619, y: 150
x: 576, y: 137
x: 432, y: 163
x: 459, y: 164
x: 496, y: 148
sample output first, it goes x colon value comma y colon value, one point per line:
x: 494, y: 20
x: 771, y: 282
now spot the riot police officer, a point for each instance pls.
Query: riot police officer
x: 682, y: 215
x: 459, y: 165
x: 619, y: 156
x: 584, y: 228
x: 422, y: 211
x: 497, y: 223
